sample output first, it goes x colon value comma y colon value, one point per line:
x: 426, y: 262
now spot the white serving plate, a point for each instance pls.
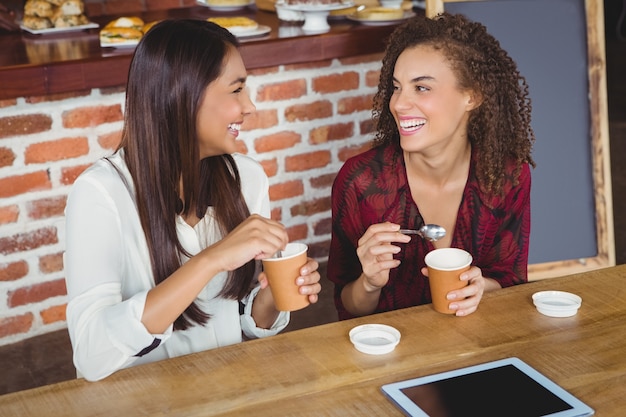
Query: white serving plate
x: 50, y: 31
x: 225, y: 7
x: 407, y: 15
x: 125, y: 44
x: 258, y: 31
x: 317, y: 7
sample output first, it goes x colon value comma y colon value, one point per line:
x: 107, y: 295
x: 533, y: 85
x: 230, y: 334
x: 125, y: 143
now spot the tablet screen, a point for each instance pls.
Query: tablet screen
x: 501, y: 388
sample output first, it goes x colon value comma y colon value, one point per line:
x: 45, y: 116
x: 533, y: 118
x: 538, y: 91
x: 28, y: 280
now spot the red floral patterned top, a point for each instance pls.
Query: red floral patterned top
x: 373, y: 188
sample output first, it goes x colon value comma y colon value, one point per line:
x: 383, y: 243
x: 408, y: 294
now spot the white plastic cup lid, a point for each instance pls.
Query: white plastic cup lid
x: 557, y: 303
x: 374, y: 339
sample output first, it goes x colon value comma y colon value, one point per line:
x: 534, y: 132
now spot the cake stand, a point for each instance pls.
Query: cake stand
x: 315, y: 15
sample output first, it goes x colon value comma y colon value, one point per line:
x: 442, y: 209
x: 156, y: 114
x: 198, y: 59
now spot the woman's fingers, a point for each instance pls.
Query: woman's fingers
x: 255, y: 238
x: 466, y: 300
x: 309, y: 280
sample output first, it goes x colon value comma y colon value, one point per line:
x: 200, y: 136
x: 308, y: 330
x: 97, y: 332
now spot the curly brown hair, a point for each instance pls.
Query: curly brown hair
x: 499, y: 129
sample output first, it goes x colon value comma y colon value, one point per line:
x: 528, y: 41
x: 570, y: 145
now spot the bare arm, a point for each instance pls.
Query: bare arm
x: 375, y: 251
x: 255, y: 238
x: 360, y: 298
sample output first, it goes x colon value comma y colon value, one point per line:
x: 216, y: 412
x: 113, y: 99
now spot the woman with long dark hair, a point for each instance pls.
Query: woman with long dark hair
x: 453, y: 147
x: 164, y: 237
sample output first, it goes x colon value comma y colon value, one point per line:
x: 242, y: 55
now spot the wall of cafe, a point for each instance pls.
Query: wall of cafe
x: 310, y: 118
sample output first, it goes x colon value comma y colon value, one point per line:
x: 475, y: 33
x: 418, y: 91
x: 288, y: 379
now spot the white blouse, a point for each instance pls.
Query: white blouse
x: 108, y: 274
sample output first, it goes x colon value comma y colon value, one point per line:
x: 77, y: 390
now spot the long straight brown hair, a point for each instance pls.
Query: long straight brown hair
x: 170, y: 70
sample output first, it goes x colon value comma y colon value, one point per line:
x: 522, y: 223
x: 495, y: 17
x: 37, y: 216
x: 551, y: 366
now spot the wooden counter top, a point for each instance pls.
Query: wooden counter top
x: 60, y: 63
x: 317, y: 372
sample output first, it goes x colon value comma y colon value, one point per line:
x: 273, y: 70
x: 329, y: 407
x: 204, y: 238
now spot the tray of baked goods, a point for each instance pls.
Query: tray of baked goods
x: 379, y: 15
x: 55, y: 16
x: 124, y: 31
x: 380, y: 12
x: 241, y: 26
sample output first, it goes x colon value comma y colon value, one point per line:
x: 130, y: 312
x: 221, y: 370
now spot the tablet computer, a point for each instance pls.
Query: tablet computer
x: 507, y: 387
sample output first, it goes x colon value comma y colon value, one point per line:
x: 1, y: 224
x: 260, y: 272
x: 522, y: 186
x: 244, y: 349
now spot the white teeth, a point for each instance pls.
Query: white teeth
x: 234, y: 126
x: 411, y: 124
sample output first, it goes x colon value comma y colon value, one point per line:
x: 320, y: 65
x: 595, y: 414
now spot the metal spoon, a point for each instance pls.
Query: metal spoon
x: 429, y: 232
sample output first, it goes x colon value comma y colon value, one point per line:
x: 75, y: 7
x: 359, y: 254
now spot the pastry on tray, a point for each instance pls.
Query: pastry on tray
x: 236, y: 24
x: 50, y: 14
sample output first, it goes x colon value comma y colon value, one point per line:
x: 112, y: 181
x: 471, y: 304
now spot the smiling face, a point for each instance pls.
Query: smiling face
x: 430, y: 110
x: 224, y: 105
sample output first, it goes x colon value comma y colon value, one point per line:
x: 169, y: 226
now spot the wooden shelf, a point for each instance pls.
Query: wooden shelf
x: 32, y: 65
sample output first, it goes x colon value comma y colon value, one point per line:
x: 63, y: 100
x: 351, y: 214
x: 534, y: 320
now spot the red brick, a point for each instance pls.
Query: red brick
x: 319, y: 249
x: 7, y: 157
x: 276, y: 141
x: 306, y: 161
x: 297, y: 232
x: 20, y: 184
x: 336, y: 82
x: 92, y: 116
x: 372, y: 78
x: 310, y: 111
x: 107, y: 91
x: 46, y: 207
x: 28, y: 241
x: 270, y: 166
x: 366, y: 127
x: 9, y: 214
x: 110, y: 140
x: 53, y: 314
x: 351, y: 105
x: 323, y: 227
x: 24, y: 125
x: 263, y: 71
x: 323, y: 181
x: 281, y: 91
x: 260, y: 120
x: 15, y: 324
x: 51, y: 263
x: 56, y: 150
x: 36, y: 293
x: 285, y: 190
x: 13, y: 271
x: 57, y: 97
x: 276, y: 214
x: 69, y: 175
x: 346, y: 153
x: 308, y: 208
x: 241, y: 147
x: 8, y: 102
x: 327, y: 133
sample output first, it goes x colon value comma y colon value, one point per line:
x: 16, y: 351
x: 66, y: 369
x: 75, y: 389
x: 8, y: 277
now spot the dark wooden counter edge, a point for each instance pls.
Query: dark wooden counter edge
x: 111, y: 71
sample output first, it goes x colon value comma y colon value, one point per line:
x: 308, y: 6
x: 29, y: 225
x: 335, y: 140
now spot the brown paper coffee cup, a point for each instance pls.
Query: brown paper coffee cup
x: 445, y: 267
x: 282, y: 273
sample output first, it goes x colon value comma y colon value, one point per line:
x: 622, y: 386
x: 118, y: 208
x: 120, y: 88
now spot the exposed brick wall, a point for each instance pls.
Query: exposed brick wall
x: 309, y: 120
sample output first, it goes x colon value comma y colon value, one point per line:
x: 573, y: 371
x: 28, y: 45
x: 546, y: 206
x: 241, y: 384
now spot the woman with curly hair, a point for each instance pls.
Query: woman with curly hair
x: 452, y: 147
